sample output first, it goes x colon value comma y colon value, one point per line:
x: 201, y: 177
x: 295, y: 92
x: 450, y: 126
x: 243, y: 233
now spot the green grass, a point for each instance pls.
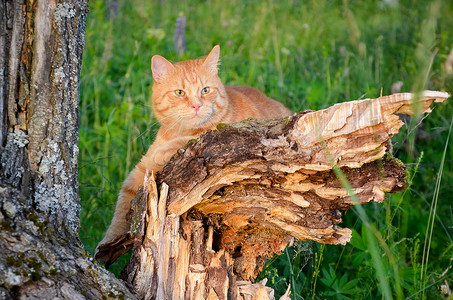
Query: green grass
x: 307, y: 55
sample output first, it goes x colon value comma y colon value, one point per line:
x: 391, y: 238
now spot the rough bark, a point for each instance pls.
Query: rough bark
x: 227, y: 202
x: 41, y: 44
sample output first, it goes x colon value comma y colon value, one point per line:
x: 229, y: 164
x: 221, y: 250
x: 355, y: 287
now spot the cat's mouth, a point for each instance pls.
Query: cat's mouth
x: 206, y: 118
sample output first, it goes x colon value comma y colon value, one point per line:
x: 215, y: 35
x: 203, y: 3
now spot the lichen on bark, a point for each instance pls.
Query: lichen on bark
x: 42, y: 257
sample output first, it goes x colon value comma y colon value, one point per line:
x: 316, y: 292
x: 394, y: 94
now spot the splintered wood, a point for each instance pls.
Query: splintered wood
x: 241, y: 193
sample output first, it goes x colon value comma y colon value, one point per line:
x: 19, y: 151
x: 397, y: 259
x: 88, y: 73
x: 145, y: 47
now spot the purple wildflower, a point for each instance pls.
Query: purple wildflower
x: 112, y: 10
x: 180, y: 34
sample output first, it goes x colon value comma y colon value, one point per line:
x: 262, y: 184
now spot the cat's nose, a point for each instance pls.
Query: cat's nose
x: 196, y: 106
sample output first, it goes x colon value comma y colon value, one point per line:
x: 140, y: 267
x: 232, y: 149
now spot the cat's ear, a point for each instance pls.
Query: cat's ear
x: 160, y: 67
x: 212, y: 60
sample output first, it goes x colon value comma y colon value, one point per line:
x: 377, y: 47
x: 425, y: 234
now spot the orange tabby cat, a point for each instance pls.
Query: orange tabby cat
x: 188, y: 99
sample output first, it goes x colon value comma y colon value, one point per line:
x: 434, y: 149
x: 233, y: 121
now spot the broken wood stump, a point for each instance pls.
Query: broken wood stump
x: 239, y: 194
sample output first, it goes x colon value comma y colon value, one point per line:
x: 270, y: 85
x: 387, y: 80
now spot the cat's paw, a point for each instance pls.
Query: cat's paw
x: 164, y: 152
x: 160, y: 158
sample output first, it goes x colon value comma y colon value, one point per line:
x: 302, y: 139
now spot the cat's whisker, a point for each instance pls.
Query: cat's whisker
x: 159, y: 122
x: 141, y: 134
x: 150, y: 127
x: 172, y: 115
x: 179, y: 128
x: 174, y: 124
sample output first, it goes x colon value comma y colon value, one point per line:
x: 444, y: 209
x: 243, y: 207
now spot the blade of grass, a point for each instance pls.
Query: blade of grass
x: 373, y: 235
x: 317, y: 270
x: 432, y: 214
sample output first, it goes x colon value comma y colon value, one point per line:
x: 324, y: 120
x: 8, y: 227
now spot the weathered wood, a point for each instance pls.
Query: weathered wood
x: 242, y: 192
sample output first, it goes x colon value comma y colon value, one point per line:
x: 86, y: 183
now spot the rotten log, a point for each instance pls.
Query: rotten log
x: 225, y: 203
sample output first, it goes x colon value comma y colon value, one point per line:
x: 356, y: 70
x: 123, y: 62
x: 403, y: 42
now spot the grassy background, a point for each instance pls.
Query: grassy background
x: 306, y: 54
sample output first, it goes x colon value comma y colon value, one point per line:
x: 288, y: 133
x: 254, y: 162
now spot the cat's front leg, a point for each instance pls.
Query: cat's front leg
x: 158, y: 154
x: 120, y: 223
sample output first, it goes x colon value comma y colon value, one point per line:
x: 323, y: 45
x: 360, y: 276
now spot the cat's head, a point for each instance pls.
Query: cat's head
x: 188, y: 94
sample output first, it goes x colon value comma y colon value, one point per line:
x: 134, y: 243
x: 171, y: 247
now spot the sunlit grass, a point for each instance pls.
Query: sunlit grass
x: 306, y: 54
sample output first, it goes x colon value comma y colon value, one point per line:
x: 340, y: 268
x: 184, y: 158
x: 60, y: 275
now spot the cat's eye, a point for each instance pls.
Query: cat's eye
x: 204, y: 90
x: 179, y: 93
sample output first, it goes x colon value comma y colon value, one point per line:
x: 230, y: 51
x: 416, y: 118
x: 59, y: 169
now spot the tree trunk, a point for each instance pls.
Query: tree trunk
x: 225, y: 203
x: 41, y: 44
